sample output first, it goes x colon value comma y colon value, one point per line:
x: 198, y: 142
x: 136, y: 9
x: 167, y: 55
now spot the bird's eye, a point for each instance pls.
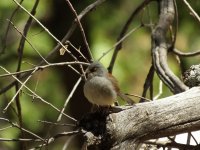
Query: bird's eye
x: 93, y: 69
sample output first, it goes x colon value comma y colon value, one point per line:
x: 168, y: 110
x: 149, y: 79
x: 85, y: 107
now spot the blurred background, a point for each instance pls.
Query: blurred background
x: 102, y: 27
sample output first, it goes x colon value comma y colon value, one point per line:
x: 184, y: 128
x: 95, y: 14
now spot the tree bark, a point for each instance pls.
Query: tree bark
x: 160, y: 47
x: 165, y: 117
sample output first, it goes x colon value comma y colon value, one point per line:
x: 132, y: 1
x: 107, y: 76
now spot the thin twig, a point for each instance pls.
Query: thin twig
x: 120, y: 41
x: 5, y: 109
x: 194, y: 138
x: 66, y: 38
x: 82, y: 31
x: 44, y: 66
x: 57, y: 124
x: 19, y: 140
x: 37, y: 82
x: 68, y: 142
x: 52, y: 139
x: 66, y: 134
x: 170, y: 144
x: 81, y: 28
x: 148, y: 84
x: 4, y: 41
x: 62, y: 52
x: 68, y: 98
x: 75, y: 70
x: 74, y: 25
x: 176, y: 24
x: 188, y: 138
x: 78, y: 50
x: 135, y: 95
x: 192, y: 10
x: 37, y: 96
x: 20, y: 56
x: 17, y: 126
x: 123, y: 31
x: 45, y: 29
x: 187, y: 54
x: 160, y: 90
x: 6, y: 128
x: 27, y: 40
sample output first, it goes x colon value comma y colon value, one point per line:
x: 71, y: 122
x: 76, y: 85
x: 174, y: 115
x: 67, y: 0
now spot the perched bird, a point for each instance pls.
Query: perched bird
x: 101, y: 88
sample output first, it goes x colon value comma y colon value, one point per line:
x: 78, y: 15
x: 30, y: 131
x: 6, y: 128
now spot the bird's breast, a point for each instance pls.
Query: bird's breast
x: 100, y: 91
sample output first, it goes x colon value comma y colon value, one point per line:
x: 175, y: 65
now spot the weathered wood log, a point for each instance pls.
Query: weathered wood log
x: 165, y: 117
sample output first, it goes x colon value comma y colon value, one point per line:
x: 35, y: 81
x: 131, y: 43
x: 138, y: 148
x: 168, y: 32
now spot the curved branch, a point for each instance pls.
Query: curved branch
x: 123, y: 32
x: 148, y: 84
x: 160, y: 48
x: 183, y: 54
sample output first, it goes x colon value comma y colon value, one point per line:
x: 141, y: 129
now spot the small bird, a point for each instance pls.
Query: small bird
x: 101, y: 88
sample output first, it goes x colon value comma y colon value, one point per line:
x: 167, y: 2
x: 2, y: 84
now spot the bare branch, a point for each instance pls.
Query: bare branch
x: 52, y: 139
x: 66, y: 38
x: 148, y: 84
x: 25, y: 10
x: 43, y: 67
x: 20, y: 56
x: 81, y: 28
x: 5, y: 128
x: 25, y: 130
x: 19, y: 140
x: 27, y: 40
x: 123, y: 31
x: 192, y: 10
x: 185, y: 54
x: 78, y: 50
x: 4, y: 41
x: 120, y: 41
x: 5, y: 109
x: 160, y: 48
x: 68, y: 98
x: 170, y: 144
x: 37, y: 96
x: 57, y: 124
